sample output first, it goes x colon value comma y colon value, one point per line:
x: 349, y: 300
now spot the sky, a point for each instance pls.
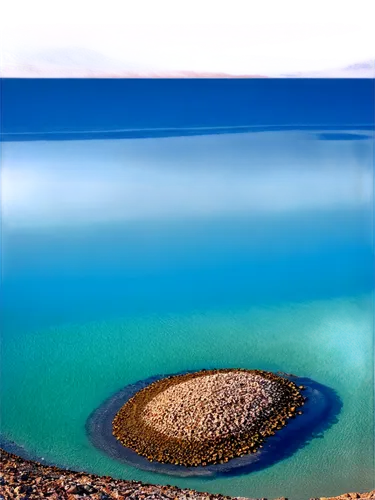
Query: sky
x: 218, y: 36
x: 171, y: 51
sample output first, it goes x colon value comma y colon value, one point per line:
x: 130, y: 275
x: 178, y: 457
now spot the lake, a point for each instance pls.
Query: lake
x: 127, y: 257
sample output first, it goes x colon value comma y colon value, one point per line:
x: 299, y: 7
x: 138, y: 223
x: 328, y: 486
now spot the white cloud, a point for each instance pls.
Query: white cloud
x: 118, y: 47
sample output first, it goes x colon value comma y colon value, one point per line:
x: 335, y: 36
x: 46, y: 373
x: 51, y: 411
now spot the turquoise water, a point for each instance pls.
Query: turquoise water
x: 257, y: 253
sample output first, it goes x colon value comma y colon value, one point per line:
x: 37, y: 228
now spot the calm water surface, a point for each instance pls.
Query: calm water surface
x: 256, y: 253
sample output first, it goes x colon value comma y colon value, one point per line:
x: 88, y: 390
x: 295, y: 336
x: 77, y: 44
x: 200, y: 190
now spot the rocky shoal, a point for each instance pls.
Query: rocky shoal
x: 207, y: 417
x: 27, y: 480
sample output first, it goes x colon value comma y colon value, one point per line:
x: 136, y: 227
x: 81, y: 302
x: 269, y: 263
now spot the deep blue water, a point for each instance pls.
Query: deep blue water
x: 66, y: 105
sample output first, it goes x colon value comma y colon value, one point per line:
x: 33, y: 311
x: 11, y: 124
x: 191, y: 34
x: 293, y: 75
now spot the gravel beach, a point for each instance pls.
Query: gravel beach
x: 27, y: 480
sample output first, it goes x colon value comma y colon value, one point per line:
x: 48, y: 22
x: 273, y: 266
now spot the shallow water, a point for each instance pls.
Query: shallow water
x: 257, y: 254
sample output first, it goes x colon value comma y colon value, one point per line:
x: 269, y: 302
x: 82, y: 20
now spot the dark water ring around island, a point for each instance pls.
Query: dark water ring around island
x: 320, y: 412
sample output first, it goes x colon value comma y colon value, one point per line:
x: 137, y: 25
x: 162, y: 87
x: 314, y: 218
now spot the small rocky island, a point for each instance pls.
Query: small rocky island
x: 207, y: 417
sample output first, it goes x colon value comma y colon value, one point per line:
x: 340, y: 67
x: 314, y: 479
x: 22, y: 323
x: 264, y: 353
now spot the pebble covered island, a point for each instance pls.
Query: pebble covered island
x: 207, y: 417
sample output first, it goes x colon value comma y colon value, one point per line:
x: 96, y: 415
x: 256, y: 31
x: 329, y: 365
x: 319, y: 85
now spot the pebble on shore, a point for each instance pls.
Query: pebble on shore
x: 28, y: 480
x: 207, y: 417
x: 24, y: 479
